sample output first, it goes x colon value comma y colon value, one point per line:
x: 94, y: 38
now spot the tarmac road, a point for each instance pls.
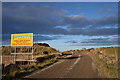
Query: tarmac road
x: 76, y: 66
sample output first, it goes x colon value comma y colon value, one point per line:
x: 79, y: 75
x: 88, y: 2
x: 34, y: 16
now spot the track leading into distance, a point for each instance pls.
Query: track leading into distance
x: 75, y: 66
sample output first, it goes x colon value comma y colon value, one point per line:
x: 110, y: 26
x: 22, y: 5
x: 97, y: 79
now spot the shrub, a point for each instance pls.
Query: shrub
x: 83, y: 49
x: 41, y: 59
x: 45, y: 52
x: 11, y: 69
x: 50, y: 56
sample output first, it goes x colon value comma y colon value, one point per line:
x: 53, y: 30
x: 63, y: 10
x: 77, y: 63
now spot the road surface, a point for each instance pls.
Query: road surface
x: 76, y: 66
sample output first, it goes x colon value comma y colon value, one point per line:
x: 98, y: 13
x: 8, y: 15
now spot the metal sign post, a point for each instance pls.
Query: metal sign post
x: 29, y: 53
x: 22, y: 40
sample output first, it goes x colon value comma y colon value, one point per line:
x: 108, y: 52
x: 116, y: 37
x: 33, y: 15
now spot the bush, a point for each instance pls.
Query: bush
x: 41, y: 59
x: 45, y: 52
x: 11, y: 69
x: 50, y: 56
x: 84, y: 49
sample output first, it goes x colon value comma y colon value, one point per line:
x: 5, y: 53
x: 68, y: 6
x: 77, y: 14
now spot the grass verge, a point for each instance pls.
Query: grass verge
x: 19, y: 71
x: 106, y: 70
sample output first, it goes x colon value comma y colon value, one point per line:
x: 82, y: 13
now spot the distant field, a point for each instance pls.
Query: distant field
x: 111, y: 50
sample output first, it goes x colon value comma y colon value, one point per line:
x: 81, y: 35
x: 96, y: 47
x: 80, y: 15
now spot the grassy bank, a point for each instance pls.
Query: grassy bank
x: 106, y: 60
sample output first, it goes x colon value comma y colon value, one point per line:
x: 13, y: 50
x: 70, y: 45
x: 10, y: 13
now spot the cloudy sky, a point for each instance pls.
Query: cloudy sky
x: 63, y: 25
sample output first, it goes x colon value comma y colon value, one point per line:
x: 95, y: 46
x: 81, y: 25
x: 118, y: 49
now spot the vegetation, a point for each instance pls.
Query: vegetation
x: 38, y: 50
x: 105, y: 58
x: 41, y: 59
x: 18, y: 71
x: 45, y: 52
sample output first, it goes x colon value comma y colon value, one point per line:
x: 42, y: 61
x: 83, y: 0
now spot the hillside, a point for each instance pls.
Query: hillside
x: 39, y: 48
x: 44, y: 56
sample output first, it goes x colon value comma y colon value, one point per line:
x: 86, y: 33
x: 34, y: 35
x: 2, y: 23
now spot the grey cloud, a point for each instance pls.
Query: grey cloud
x: 73, y: 41
x: 78, y: 21
x: 106, y: 21
x: 94, y: 32
x: 29, y: 19
x: 99, y: 42
x: 45, y: 38
x: 106, y: 10
x: 44, y: 19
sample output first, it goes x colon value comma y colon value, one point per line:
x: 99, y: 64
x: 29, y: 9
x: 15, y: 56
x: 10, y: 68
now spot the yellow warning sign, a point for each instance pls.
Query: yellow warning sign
x: 22, y: 39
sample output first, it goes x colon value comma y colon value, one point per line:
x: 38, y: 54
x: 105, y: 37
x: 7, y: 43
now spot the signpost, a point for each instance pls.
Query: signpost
x: 22, y: 40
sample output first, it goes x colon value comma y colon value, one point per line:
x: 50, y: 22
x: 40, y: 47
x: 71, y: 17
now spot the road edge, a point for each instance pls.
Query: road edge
x: 39, y: 71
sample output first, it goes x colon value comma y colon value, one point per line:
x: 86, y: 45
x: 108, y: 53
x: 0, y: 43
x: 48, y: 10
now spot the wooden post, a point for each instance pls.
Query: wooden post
x: 116, y: 55
x: 32, y: 53
x: 28, y: 56
x: 22, y: 59
x: 10, y: 56
x: 1, y: 59
x: 116, y: 59
x: 15, y: 55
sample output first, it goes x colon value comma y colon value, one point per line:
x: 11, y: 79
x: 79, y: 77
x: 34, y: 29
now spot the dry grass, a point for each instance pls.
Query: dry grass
x: 18, y: 71
x: 38, y: 50
x: 106, y: 62
x: 106, y: 59
x: 11, y: 71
